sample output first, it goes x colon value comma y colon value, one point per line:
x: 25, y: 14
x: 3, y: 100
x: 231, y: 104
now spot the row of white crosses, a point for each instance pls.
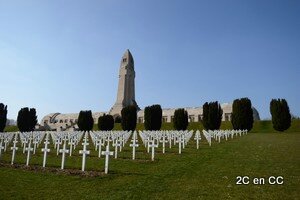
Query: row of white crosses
x: 14, y: 148
x: 84, y: 151
x: 118, y: 140
x: 152, y: 139
x: 60, y: 140
x: 197, y: 138
x: 221, y: 134
x: 45, y: 150
x: 207, y: 137
x: 5, y: 139
x: 134, y: 144
x: 35, y: 138
x: 72, y: 139
x: 27, y: 139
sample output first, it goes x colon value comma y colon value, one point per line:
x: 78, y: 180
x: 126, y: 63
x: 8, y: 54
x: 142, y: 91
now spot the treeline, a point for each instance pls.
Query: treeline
x: 241, y: 117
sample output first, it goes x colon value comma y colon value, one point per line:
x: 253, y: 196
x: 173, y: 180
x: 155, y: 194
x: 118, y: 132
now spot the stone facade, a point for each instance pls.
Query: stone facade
x: 58, y: 121
x: 195, y: 114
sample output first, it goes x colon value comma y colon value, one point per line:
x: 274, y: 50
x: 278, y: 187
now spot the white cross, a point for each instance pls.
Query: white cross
x: 97, y: 143
x: 163, y: 142
x: 63, y: 151
x: 28, y: 149
x: 45, y: 149
x: 84, y: 152
x: 72, y: 144
x: 5, y: 144
x: 108, y: 140
x: 183, y: 141
x: 122, y: 143
x: 209, y: 140
x: 148, y: 143
x: 180, y: 141
x: 35, y: 142
x: 75, y: 140
x: 100, y: 147
x: 117, y: 144
x: 197, y: 138
x: 170, y: 142
x: 58, y: 142
x: 85, y: 143
x: 24, y: 142
x: 107, y: 153
x: 1, y: 147
x: 152, y: 152
x: 14, y: 148
x: 133, y: 145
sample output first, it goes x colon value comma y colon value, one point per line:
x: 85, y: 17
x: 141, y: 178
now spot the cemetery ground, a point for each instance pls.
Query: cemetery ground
x: 206, y: 173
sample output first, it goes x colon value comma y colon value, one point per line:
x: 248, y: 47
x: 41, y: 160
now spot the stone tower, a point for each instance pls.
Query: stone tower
x: 126, y: 87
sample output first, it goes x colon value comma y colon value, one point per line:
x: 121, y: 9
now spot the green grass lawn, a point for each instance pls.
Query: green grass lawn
x: 207, y: 173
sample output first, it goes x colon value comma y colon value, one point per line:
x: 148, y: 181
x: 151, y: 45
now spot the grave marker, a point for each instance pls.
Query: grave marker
x: 14, y: 149
x: 107, y: 153
x: 64, y: 150
x: 153, y: 145
x: 1, y: 147
x: 163, y: 142
x: 117, y: 144
x: 133, y: 145
x: 197, y: 138
x: 45, y: 149
x: 84, y: 152
x: 28, y: 149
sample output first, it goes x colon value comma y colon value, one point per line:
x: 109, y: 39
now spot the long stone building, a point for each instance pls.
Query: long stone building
x: 125, y: 97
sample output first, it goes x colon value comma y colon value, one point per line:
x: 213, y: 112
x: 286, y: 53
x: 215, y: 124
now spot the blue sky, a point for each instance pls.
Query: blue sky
x: 64, y: 56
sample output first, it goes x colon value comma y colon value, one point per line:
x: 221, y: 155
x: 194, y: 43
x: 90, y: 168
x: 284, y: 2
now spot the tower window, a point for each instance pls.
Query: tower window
x: 124, y: 59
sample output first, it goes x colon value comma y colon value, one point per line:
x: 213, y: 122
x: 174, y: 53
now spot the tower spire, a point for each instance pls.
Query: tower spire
x: 126, y: 86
